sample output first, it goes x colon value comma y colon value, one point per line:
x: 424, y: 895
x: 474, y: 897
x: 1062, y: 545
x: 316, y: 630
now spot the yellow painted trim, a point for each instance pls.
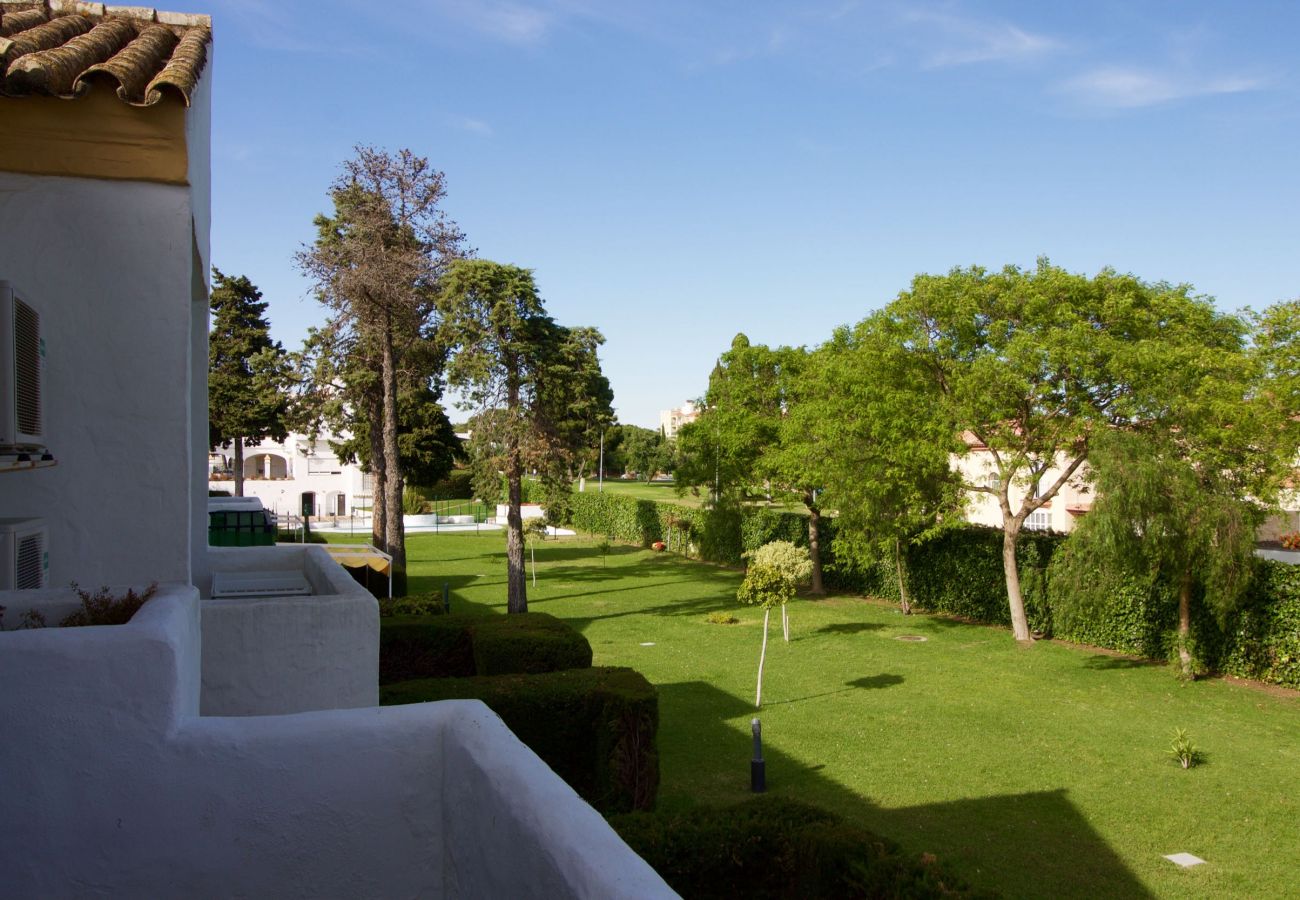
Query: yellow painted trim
x: 95, y: 136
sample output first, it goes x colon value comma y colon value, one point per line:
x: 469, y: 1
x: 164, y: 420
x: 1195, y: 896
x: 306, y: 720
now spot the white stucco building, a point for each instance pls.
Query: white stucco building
x: 299, y: 476
x: 208, y: 747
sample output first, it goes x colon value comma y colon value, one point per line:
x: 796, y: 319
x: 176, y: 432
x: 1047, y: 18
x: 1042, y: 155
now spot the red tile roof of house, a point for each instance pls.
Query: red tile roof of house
x: 60, y: 48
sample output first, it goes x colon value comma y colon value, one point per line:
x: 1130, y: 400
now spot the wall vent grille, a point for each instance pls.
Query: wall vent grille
x: 30, y: 568
x: 27, y: 368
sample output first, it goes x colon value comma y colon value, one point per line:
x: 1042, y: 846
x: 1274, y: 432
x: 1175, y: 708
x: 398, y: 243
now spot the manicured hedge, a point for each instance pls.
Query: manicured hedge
x: 1262, y: 639
x: 526, y: 643
x: 460, y: 645
x: 960, y: 572
x: 772, y: 847
x: 595, y: 727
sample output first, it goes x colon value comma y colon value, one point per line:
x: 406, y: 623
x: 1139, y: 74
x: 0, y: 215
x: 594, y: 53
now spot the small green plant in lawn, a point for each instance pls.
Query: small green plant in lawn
x: 721, y: 618
x: 792, y: 562
x: 766, y: 587
x: 602, y: 547
x: 1182, y: 749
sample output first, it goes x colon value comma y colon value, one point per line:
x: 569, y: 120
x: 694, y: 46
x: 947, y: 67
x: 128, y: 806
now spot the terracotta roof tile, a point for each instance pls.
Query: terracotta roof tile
x: 61, y: 48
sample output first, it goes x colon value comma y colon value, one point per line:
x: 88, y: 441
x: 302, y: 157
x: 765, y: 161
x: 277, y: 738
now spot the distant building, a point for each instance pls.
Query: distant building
x: 672, y: 420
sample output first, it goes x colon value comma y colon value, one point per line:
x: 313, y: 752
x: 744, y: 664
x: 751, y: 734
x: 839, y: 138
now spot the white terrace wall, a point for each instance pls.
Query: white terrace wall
x: 113, y: 785
x: 278, y: 655
x: 111, y: 267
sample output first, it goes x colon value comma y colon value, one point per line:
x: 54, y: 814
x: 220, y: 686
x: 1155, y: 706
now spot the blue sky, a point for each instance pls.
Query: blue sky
x: 678, y: 172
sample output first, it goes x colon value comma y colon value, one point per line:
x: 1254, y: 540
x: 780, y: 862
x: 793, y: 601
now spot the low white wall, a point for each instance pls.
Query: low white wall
x: 113, y: 785
x: 289, y: 654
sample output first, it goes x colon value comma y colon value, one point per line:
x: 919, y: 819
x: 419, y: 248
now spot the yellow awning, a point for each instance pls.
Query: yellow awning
x: 356, y: 556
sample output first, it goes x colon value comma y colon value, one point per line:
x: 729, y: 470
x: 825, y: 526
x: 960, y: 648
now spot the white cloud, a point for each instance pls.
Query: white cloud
x: 958, y: 41
x: 513, y: 23
x: 474, y: 126
x: 1130, y: 88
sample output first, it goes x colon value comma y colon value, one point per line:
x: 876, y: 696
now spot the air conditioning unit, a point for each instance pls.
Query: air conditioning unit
x: 22, y: 364
x: 24, y: 554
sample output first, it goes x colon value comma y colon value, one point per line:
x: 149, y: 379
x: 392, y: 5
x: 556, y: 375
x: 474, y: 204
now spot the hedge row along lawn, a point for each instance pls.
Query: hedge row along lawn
x: 1039, y: 771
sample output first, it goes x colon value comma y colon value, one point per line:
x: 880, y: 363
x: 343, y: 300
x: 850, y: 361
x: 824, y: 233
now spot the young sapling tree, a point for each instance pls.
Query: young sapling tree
x: 794, y: 564
x: 766, y: 587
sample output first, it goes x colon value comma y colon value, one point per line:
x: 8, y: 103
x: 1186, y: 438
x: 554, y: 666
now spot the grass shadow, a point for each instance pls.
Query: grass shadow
x: 1034, y: 844
x: 849, y: 628
x: 872, y: 682
x: 1102, y: 662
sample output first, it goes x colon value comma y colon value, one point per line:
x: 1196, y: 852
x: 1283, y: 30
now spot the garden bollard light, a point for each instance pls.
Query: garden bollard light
x: 757, y: 768
x: 446, y: 598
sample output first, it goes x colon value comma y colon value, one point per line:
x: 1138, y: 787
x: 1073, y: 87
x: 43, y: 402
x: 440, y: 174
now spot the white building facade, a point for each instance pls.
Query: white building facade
x: 299, y: 476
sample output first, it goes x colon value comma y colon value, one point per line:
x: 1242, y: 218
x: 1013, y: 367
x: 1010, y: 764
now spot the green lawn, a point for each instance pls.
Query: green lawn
x: 1038, y: 771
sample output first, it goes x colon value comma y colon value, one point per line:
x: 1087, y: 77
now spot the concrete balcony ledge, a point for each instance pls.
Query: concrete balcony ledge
x: 117, y: 786
x: 277, y: 655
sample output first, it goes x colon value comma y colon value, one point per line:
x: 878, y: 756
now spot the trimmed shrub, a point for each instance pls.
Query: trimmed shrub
x: 461, y: 645
x: 777, y: 848
x: 424, y: 604
x: 424, y: 647
x: 595, y: 727
x: 531, y: 642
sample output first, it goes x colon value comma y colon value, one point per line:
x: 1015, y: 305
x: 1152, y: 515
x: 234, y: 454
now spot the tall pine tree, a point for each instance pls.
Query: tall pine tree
x: 247, y: 400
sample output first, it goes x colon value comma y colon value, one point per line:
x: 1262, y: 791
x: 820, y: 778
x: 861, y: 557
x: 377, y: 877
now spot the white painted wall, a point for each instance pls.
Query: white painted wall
x: 117, y: 787
x: 110, y: 267
x: 198, y: 141
x: 289, y: 654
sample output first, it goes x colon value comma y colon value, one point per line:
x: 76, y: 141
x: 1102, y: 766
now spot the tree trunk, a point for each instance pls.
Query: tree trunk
x: 1019, y: 622
x: 758, y: 698
x: 239, y: 467
x: 516, y: 580
x: 785, y: 622
x: 814, y: 544
x: 378, y: 472
x: 394, y: 528
x: 904, y: 602
x: 1185, y: 623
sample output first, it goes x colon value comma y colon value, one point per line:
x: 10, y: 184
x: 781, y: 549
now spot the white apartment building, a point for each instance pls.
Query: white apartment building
x: 672, y: 420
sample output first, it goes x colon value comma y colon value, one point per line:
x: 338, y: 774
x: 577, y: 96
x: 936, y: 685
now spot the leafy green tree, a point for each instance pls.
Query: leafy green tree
x: 645, y: 451
x: 1034, y: 364
x: 247, y: 372
x: 863, y: 426
x: 514, y: 364
x: 1179, y: 502
x: 744, y: 437
x: 739, y: 419
x: 376, y: 263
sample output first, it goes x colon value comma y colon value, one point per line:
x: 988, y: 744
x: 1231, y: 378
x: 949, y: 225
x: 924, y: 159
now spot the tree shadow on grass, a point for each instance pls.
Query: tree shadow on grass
x: 868, y: 682
x: 848, y: 628
x: 872, y: 682
x: 1034, y: 844
x: 1105, y: 663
